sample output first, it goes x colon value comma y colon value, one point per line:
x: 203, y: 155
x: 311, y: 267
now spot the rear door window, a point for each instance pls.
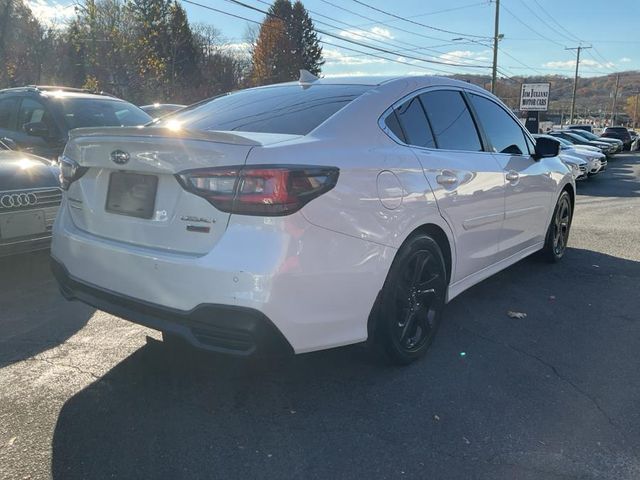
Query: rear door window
x: 414, y: 124
x: 34, y: 111
x: 451, y: 121
x: 393, y: 124
x: 502, y: 131
x: 8, y: 107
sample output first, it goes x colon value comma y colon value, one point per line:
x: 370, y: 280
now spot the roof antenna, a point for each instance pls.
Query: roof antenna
x: 306, y: 77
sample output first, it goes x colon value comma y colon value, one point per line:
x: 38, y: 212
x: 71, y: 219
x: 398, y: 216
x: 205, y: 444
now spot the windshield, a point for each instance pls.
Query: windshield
x: 92, y: 112
x: 289, y: 109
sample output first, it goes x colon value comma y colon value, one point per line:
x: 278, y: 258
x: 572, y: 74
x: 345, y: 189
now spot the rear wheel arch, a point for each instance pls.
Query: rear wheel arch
x: 572, y: 194
x: 437, y: 233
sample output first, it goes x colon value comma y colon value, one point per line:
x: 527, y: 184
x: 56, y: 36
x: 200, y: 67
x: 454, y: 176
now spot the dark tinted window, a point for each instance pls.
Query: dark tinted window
x: 451, y: 121
x: 291, y: 109
x: 98, y: 112
x: 503, y: 132
x: 414, y: 124
x: 7, y: 112
x: 33, y: 111
x: 393, y: 124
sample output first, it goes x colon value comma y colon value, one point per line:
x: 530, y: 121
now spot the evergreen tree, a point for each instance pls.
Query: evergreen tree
x: 309, y: 51
x: 272, y: 53
x: 298, y: 48
x: 183, y: 50
x: 151, y: 46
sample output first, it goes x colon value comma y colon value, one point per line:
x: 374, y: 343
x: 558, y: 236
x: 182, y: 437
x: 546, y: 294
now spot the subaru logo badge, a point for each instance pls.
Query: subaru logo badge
x: 120, y: 157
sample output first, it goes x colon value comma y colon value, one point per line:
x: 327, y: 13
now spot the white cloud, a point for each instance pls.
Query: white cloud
x: 382, y: 32
x: 51, y: 13
x: 239, y: 48
x: 374, y: 33
x: 625, y: 60
x: 463, y: 57
x: 569, y: 64
x: 560, y: 64
x: 332, y: 56
x: 360, y: 73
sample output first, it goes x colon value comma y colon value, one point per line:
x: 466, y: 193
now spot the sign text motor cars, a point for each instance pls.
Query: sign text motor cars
x: 534, y: 97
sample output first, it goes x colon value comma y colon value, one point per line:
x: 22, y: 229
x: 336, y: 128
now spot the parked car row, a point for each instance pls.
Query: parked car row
x: 589, y: 160
x: 627, y: 137
x: 579, y: 138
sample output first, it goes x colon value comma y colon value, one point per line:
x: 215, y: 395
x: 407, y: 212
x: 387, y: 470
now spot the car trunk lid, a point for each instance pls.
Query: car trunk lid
x: 129, y: 192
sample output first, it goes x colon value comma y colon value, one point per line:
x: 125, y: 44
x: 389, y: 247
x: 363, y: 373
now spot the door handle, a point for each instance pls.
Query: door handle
x: 512, y: 176
x: 446, y: 178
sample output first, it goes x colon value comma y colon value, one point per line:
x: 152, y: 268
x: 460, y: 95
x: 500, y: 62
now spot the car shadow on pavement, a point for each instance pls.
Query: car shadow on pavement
x: 34, y: 317
x: 623, y: 171
x: 496, y: 397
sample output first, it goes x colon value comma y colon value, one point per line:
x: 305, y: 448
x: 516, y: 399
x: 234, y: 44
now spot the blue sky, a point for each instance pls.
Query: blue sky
x: 535, y: 34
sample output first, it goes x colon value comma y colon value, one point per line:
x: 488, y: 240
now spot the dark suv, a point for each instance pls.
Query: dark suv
x: 621, y: 133
x: 37, y: 119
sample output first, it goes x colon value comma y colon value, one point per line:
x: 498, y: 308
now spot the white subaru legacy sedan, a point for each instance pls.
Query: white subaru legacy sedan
x: 307, y: 215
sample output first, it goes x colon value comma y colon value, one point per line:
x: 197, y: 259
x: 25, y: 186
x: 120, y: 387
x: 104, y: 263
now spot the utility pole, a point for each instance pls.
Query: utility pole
x: 635, y: 112
x: 615, y: 100
x: 496, y: 38
x: 578, y: 49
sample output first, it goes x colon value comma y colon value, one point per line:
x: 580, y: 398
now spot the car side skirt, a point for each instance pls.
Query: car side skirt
x: 460, y: 286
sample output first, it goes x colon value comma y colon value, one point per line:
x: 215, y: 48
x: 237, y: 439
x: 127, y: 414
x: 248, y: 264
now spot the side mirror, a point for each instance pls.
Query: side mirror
x: 37, y: 129
x: 546, y: 147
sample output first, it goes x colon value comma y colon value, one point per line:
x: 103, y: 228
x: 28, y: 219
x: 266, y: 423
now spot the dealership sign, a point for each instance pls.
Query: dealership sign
x: 534, y: 97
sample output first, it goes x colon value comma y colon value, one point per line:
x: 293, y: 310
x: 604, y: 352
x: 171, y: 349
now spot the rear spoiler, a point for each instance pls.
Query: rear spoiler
x: 161, y: 132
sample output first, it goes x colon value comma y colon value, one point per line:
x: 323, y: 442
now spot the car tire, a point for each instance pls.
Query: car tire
x: 557, y: 237
x: 410, y: 306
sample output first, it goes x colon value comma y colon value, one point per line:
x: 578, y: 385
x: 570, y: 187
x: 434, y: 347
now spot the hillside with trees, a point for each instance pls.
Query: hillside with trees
x: 594, y: 96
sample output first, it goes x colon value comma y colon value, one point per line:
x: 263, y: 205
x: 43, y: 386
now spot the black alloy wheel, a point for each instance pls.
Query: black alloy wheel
x: 558, y: 232
x: 412, y: 300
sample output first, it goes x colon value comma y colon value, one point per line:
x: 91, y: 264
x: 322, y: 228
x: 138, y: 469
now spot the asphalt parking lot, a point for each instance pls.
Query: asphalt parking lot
x: 84, y: 395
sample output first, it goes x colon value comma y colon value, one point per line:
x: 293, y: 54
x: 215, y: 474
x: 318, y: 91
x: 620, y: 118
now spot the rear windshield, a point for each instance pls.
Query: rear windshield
x: 89, y: 112
x: 615, y: 129
x: 289, y: 109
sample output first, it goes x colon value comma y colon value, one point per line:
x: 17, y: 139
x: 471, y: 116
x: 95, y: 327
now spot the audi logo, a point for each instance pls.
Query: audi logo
x: 18, y: 200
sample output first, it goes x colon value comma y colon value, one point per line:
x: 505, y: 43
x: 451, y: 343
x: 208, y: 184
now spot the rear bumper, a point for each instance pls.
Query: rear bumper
x: 219, y: 328
x: 314, y: 285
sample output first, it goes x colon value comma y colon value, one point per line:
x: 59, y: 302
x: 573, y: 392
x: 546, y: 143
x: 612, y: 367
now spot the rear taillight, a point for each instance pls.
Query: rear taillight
x: 70, y: 171
x: 265, y: 190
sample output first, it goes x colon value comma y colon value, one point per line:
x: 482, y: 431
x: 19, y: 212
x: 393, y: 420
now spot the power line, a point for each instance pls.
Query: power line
x: 240, y: 17
x: 437, y: 29
x: 355, y: 42
x: 562, y: 27
x: 368, y: 36
x: 385, y: 58
x: 544, y: 22
x: 519, y: 61
x: 344, y: 9
x: 531, y: 28
x: 386, y: 23
x: 568, y: 34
